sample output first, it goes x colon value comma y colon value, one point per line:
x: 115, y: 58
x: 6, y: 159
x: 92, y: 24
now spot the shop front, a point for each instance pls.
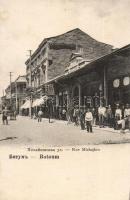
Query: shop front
x: 119, y: 90
x: 105, y: 81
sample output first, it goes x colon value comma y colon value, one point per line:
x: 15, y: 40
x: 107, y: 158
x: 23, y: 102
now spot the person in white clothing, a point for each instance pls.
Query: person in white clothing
x: 88, y: 120
x: 101, y: 114
x: 118, y: 116
x: 40, y: 113
x: 127, y: 115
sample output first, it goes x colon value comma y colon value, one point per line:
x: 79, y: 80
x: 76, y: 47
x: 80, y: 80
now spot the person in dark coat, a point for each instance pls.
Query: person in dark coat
x: 5, y: 116
x: 82, y: 119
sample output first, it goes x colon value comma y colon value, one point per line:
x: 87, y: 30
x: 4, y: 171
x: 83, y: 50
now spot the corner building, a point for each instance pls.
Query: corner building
x: 52, y: 59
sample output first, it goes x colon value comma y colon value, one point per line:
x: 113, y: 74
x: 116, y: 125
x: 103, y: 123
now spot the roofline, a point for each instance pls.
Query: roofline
x: 19, y: 77
x: 60, y: 77
x: 45, y: 40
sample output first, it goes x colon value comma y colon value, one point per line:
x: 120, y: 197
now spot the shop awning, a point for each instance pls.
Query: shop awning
x: 35, y: 103
x: 26, y: 105
x: 39, y: 102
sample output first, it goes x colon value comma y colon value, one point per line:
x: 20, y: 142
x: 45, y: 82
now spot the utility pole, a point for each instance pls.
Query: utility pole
x: 30, y: 57
x: 30, y: 108
x: 16, y: 97
x: 10, y: 74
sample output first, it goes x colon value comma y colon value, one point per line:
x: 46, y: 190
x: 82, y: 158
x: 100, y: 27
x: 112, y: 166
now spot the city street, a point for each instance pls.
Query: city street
x: 27, y: 131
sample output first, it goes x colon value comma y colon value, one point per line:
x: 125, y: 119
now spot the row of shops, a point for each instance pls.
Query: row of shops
x: 72, y: 70
x: 103, y: 81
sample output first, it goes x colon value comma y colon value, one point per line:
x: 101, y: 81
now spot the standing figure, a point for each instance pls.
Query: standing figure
x: 109, y: 115
x: 64, y: 114
x: 118, y: 116
x: 82, y: 119
x: 101, y: 114
x: 94, y: 113
x: 88, y: 120
x: 15, y: 114
x: 40, y: 113
x: 76, y: 115
x: 5, y: 116
x: 96, y: 100
x: 127, y: 115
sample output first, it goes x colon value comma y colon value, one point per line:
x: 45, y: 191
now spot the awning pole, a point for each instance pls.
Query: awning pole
x: 105, y: 85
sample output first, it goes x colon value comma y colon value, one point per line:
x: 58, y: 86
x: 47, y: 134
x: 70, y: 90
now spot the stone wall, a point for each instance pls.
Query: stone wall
x: 59, y: 58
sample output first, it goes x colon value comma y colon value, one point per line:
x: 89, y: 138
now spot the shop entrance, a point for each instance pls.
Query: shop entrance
x: 119, y: 95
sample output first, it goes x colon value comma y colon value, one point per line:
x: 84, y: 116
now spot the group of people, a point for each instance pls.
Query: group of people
x: 117, y: 118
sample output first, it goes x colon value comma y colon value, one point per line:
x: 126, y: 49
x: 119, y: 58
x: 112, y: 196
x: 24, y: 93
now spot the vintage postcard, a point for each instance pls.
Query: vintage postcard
x: 65, y: 100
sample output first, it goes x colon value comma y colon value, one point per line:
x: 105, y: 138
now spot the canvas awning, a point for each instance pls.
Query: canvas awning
x: 39, y: 102
x: 35, y: 103
x: 26, y: 105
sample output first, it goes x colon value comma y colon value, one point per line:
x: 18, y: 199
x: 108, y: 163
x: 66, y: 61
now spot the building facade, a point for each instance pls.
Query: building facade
x: 16, y: 94
x: 52, y: 58
x: 104, y: 80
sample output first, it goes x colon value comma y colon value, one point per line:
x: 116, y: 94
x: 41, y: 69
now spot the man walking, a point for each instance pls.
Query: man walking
x: 88, y: 120
x: 5, y: 116
x: 40, y: 113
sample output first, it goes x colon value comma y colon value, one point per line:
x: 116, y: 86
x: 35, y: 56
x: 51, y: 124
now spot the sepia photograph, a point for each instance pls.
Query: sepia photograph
x: 65, y: 99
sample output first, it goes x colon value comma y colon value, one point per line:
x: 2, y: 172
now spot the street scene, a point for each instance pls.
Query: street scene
x: 78, y: 82
x: 28, y: 131
x: 65, y: 100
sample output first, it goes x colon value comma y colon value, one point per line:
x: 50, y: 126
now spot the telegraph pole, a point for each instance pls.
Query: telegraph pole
x: 10, y: 74
x: 30, y: 109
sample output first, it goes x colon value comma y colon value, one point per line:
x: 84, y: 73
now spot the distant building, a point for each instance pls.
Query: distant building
x: 16, y: 93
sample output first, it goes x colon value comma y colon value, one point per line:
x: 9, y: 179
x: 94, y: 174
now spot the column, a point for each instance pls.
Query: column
x: 80, y: 100
x: 105, y: 88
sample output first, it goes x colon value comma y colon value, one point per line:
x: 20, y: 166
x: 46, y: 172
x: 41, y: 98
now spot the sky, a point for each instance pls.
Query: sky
x: 24, y: 24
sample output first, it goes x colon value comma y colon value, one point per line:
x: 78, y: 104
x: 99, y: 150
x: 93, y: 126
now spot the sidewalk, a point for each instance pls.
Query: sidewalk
x: 108, y: 129
x: 57, y: 133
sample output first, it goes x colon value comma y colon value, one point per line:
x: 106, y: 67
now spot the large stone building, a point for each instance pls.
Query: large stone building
x: 52, y: 58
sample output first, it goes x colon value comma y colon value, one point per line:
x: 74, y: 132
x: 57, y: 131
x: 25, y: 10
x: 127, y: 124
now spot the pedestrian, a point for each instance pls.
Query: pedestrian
x: 40, y: 113
x: 89, y: 120
x: 15, y: 114
x: 109, y: 116
x: 94, y: 113
x: 101, y: 114
x: 5, y: 116
x: 82, y: 119
x: 127, y: 115
x: 76, y: 116
x: 118, y: 116
x: 96, y: 100
x: 64, y: 114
